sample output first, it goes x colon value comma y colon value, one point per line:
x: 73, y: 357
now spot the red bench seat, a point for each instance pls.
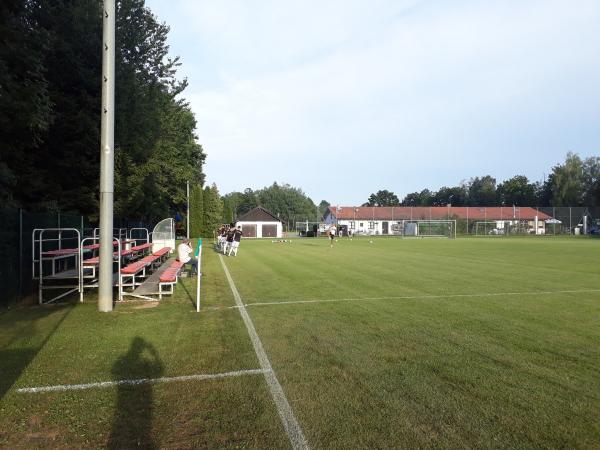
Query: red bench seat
x: 139, y: 248
x: 170, y: 275
x: 96, y: 259
x: 163, y: 251
x: 133, y: 268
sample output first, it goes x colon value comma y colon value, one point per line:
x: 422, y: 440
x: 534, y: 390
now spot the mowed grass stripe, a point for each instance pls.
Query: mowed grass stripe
x: 517, y: 371
x: 398, y: 267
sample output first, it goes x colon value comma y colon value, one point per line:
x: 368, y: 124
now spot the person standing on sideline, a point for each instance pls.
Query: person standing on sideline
x: 332, y: 232
x: 229, y: 239
x: 183, y: 255
x: 237, y: 237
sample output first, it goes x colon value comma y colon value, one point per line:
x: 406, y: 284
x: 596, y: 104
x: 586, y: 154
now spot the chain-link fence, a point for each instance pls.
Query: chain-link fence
x: 553, y: 221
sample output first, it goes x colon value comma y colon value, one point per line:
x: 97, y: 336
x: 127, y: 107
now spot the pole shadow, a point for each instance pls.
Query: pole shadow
x: 189, y: 296
x: 132, y: 421
x: 14, y: 361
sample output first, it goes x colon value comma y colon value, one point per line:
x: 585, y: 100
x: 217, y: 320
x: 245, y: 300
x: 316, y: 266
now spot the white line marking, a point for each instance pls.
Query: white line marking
x: 420, y: 297
x: 105, y: 384
x: 291, y: 425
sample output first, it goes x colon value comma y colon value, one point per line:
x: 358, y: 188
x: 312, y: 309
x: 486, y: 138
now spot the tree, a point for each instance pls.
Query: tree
x: 213, y: 210
x: 423, y: 198
x: 230, y: 205
x: 287, y: 202
x: 323, y: 207
x: 455, y: 196
x: 50, y: 68
x: 383, y: 198
x: 248, y: 201
x: 568, y: 182
x: 26, y: 111
x: 517, y: 191
x: 543, y: 192
x: 591, y: 181
x: 482, y: 191
x: 196, y: 210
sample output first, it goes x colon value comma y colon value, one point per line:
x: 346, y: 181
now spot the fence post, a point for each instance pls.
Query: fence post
x: 20, y: 292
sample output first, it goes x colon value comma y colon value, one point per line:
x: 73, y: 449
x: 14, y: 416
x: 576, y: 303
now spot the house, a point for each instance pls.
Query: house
x: 389, y: 220
x: 260, y: 223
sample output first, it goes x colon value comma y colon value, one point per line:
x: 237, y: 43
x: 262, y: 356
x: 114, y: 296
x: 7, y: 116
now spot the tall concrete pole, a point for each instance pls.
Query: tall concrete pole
x: 107, y: 158
x: 188, y: 210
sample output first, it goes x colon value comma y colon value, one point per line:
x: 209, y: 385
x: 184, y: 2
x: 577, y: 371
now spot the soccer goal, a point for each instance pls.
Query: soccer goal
x: 483, y: 228
x: 429, y: 228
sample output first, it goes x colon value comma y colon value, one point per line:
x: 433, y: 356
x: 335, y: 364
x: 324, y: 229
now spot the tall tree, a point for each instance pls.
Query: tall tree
x: 196, y: 210
x: 482, y: 191
x: 455, y: 196
x: 26, y: 111
x: 568, y: 182
x: 231, y: 203
x: 591, y: 181
x: 287, y: 202
x: 517, y: 191
x: 383, y: 198
x: 423, y: 198
x: 248, y: 201
x: 213, y: 210
x: 323, y: 207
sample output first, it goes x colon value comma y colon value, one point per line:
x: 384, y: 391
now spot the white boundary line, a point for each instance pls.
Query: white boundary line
x: 290, y: 423
x: 105, y: 384
x: 418, y: 297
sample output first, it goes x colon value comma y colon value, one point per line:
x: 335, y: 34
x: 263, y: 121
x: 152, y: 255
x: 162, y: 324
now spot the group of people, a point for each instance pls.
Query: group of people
x: 228, y: 239
x: 333, y: 233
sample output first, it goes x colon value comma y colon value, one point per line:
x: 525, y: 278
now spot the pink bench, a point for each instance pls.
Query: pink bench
x: 169, y: 278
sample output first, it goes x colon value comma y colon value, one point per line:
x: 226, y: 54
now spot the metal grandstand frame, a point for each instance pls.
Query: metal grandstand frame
x: 52, y: 256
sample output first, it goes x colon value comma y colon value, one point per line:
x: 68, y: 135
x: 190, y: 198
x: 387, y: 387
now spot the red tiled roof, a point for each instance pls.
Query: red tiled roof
x: 436, y: 212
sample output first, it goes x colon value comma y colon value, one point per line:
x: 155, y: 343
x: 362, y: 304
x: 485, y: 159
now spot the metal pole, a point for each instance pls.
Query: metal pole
x: 188, y: 209
x: 107, y: 158
x: 21, y: 253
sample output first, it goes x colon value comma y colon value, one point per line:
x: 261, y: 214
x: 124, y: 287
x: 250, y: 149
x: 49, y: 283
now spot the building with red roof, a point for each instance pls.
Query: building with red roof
x: 389, y: 219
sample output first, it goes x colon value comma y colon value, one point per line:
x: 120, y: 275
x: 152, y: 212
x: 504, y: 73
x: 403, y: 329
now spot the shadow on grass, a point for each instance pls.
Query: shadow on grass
x: 13, y: 361
x: 189, y: 296
x: 132, y: 422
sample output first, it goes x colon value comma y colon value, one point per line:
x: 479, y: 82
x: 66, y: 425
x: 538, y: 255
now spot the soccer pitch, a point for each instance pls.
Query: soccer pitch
x: 399, y: 343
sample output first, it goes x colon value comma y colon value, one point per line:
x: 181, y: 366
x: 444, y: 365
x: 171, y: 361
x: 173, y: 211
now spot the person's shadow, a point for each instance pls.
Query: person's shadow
x: 132, y: 422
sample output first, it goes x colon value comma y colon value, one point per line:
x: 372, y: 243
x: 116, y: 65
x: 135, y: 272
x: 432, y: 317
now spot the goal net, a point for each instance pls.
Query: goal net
x: 487, y: 229
x: 428, y: 228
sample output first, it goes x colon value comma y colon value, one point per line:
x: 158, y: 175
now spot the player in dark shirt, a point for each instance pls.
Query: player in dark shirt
x: 237, y: 236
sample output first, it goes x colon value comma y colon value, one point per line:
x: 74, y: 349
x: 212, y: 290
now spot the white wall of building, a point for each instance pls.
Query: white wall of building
x: 259, y: 226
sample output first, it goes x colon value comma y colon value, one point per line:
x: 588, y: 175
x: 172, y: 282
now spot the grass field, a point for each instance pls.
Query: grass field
x: 402, y: 343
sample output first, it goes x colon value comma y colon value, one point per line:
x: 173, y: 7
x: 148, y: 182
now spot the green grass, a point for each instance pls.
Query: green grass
x: 414, y: 343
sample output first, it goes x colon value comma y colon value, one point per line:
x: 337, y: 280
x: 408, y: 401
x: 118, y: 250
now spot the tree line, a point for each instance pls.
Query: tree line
x: 50, y: 88
x: 288, y: 203
x: 576, y: 182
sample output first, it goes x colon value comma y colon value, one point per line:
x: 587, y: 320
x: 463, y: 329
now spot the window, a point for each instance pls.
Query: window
x: 361, y: 225
x: 352, y: 224
x: 371, y: 225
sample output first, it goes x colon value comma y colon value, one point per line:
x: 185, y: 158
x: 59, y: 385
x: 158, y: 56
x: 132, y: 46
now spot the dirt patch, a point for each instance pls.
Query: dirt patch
x: 146, y: 305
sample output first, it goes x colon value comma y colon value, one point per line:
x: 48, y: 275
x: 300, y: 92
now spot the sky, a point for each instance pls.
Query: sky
x: 343, y: 98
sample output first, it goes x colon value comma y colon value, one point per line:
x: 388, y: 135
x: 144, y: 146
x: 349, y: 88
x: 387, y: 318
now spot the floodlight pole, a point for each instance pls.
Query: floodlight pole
x: 188, y: 210
x: 107, y: 159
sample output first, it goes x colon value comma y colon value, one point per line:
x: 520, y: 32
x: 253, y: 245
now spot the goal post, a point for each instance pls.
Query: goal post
x: 429, y: 228
x: 486, y: 228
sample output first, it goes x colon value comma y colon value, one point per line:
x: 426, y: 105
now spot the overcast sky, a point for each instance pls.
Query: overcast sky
x: 345, y: 98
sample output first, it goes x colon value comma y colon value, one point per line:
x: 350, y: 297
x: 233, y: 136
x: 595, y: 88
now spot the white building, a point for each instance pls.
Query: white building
x: 388, y: 220
x: 260, y: 223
